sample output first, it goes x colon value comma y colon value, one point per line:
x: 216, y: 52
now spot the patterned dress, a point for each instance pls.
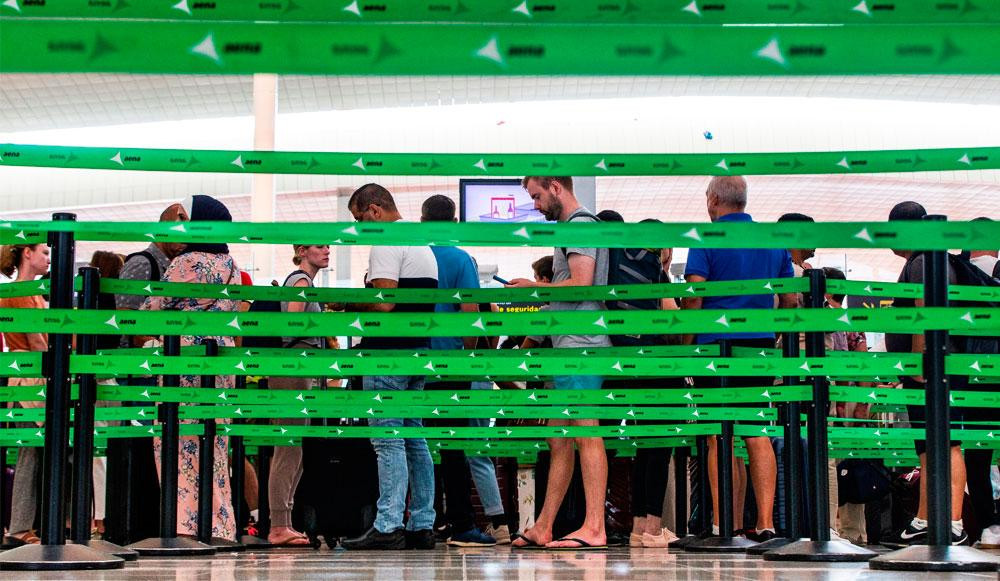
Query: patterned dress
x: 199, y: 267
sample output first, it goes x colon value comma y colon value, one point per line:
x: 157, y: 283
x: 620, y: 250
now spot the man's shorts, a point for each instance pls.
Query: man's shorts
x: 578, y: 381
x: 714, y: 381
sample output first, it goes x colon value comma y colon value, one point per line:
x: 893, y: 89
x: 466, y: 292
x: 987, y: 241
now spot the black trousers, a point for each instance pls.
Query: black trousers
x: 459, y: 513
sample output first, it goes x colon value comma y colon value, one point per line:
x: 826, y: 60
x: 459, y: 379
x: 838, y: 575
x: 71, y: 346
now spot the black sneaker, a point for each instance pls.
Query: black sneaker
x: 960, y: 539
x: 760, y: 536
x: 374, y: 540
x: 908, y: 536
x: 420, y: 540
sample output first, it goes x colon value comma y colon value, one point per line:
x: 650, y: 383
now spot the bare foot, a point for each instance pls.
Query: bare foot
x: 535, y: 536
x: 287, y: 536
x: 592, y: 538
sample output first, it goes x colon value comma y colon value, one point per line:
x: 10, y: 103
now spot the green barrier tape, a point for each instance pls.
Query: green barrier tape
x: 79, y: 46
x: 21, y: 364
x: 434, y: 366
x: 900, y: 235
x: 909, y: 290
x: 647, y: 351
x: 210, y: 324
x: 437, y: 296
x: 379, y: 411
x: 497, y: 398
x: 528, y: 11
x: 24, y: 289
x: 499, y: 164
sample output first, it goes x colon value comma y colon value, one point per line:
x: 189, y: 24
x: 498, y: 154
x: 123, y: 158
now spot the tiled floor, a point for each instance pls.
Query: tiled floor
x: 485, y: 564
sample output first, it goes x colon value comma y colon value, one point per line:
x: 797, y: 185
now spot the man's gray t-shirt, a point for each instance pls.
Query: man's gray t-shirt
x: 560, y: 272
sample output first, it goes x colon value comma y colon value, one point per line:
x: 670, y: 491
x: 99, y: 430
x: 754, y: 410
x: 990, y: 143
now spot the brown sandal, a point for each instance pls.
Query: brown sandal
x: 25, y: 538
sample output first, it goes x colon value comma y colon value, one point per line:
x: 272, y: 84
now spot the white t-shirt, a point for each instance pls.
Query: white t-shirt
x: 985, y: 263
x: 410, y: 267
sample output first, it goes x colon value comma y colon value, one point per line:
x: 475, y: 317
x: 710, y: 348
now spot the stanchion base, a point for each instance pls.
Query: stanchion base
x: 227, y: 546
x: 57, y: 558
x: 171, y: 547
x: 110, y: 548
x: 820, y: 551
x: 256, y: 543
x: 684, y: 541
x: 721, y: 545
x: 775, y: 543
x: 933, y: 558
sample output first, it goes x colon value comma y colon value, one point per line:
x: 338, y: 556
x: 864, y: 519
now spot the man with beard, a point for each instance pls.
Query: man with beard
x: 572, y: 266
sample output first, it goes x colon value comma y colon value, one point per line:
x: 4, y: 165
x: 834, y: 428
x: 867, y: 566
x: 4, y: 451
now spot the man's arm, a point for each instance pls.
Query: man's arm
x: 581, y: 273
x: 788, y: 301
x: 692, y: 303
x: 375, y: 307
x: 469, y: 342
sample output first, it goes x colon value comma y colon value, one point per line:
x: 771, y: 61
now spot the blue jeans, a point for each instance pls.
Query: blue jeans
x: 401, y: 462
x: 484, y: 473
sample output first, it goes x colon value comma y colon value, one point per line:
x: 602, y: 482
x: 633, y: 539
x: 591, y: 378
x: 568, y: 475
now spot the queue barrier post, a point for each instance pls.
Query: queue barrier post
x: 726, y: 542
x: 937, y: 554
x: 168, y: 544
x: 819, y: 547
x: 206, y: 471
x: 236, y: 483
x: 53, y: 554
x: 83, y: 433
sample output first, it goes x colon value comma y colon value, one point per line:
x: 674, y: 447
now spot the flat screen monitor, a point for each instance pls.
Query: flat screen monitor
x: 496, y: 200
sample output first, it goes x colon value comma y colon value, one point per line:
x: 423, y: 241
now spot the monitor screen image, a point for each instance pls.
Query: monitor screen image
x: 502, y: 201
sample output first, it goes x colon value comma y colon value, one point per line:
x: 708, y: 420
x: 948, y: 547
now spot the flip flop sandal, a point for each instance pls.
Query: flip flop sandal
x: 583, y: 545
x: 530, y: 546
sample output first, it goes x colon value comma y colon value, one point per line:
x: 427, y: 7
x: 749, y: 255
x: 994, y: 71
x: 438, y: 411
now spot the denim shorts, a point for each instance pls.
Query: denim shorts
x: 578, y: 381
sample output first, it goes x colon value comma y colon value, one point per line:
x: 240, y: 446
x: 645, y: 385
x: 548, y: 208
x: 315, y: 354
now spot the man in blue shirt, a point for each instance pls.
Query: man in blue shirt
x: 727, y: 200
x: 456, y: 270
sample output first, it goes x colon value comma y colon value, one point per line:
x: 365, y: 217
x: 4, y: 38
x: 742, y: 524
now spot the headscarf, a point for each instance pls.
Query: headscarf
x: 203, y: 208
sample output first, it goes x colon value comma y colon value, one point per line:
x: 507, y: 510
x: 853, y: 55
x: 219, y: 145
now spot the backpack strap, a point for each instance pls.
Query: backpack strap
x: 154, y: 266
x: 996, y: 270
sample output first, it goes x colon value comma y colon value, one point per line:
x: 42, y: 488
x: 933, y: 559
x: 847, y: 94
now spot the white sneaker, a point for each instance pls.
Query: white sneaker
x: 834, y: 536
x: 990, y: 538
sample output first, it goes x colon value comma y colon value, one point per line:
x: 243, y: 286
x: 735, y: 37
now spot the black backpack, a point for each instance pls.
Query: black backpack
x: 269, y: 342
x: 631, y: 266
x: 968, y: 274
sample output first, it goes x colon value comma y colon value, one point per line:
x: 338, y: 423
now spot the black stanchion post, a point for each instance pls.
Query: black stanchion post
x: 791, y: 458
x: 264, y: 454
x: 704, y: 496
x: 168, y: 543
x: 53, y: 553
x: 819, y: 547
x: 680, y: 491
x: 725, y: 542
x: 206, y: 471
x: 938, y: 554
x: 83, y: 432
x: 236, y: 483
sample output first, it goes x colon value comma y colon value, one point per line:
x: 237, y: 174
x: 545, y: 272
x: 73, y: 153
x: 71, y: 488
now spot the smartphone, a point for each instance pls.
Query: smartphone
x: 500, y: 280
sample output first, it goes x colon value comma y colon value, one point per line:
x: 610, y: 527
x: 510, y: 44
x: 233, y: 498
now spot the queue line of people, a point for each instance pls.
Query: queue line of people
x: 405, y: 510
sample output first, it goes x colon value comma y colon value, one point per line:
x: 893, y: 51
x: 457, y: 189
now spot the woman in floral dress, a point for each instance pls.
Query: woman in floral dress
x: 203, y: 264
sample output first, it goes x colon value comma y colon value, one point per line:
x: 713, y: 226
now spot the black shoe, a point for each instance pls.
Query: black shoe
x: 420, y: 540
x: 908, y: 536
x: 375, y: 540
x: 760, y: 536
x: 959, y: 539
